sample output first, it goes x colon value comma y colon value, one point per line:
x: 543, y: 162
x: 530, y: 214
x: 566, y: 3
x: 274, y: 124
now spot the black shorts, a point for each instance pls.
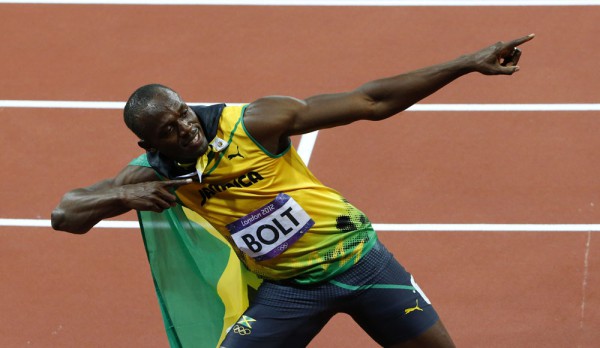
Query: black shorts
x: 377, y: 293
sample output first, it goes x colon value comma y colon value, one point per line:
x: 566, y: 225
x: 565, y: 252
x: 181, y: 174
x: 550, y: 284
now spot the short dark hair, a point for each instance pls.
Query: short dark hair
x: 138, y: 102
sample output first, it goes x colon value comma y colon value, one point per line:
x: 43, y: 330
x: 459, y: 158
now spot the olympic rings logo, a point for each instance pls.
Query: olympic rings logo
x: 241, y: 330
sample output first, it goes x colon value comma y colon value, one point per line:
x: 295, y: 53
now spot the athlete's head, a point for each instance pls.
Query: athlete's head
x: 165, y: 123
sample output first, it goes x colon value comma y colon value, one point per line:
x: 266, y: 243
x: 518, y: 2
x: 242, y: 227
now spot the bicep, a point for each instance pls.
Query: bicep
x: 128, y: 175
x: 272, y: 119
x: 135, y: 175
x: 332, y: 110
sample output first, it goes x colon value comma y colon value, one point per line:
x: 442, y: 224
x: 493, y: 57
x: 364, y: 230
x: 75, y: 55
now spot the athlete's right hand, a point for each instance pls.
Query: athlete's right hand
x: 153, y: 196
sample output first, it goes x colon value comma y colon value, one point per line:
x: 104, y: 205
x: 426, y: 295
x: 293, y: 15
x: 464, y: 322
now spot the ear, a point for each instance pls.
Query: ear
x: 144, y: 145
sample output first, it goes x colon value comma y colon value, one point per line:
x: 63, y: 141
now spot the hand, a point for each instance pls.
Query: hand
x: 151, y: 196
x: 500, y: 58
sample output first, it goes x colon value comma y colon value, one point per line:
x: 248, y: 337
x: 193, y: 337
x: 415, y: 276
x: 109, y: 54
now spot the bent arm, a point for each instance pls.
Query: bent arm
x: 81, y: 209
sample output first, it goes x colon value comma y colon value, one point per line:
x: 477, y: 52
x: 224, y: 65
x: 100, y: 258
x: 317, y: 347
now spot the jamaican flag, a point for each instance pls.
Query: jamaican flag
x: 201, y: 285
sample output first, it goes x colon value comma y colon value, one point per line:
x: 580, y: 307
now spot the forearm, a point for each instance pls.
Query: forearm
x: 134, y: 188
x: 81, y: 209
x: 392, y: 95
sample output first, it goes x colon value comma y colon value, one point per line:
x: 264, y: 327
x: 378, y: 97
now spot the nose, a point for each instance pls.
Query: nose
x: 183, y: 127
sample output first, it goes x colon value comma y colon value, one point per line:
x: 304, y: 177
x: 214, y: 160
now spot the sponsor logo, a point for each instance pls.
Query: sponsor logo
x: 412, y: 309
x: 244, y: 180
x: 238, y: 154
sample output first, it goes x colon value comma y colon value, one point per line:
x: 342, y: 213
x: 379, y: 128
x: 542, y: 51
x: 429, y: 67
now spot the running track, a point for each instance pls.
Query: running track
x: 493, y: 289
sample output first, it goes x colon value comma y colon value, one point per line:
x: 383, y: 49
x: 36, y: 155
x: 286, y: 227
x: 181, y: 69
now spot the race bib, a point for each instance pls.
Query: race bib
x: 271, y: 229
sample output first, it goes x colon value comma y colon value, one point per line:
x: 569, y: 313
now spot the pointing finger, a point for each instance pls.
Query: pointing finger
x: 521, y: 40
x: 176, y: 183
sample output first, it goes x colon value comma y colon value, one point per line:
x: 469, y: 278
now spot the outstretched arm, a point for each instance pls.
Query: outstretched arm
x: 272, y: 119
x: 133, y: 188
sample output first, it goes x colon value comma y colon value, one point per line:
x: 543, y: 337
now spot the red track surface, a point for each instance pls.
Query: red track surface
x: 491, y: 289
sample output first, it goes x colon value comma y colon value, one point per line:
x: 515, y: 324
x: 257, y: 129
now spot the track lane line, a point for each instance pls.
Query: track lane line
x: 112, y: 105
x: 377, y: 226
x: 437, y: 3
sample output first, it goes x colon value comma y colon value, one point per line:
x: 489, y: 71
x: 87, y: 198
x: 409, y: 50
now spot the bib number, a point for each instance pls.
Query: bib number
x: 271, y: 229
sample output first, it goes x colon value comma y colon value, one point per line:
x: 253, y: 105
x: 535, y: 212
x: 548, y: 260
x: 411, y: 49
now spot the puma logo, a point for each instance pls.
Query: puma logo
x: 412, y: 309
x: 235, y: 154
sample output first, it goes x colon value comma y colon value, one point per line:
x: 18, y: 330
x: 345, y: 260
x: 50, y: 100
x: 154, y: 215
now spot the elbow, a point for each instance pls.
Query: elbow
x: 381, y: 111
x: 378, y: 109
x: 59, y: 222
x: 57, y: 219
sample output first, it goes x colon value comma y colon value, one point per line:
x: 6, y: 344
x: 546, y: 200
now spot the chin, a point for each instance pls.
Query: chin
x: 193, y: 155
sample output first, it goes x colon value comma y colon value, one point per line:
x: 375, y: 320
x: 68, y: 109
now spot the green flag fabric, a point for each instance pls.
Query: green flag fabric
x: 201, y: 285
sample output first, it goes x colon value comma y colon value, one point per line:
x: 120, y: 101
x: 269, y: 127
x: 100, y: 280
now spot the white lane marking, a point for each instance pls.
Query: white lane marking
x: 489, y: 227
x: 378, y: 227
x: 57, y: 104
x: 443, y: 3
x: 584, y: 283
x: 306, y: 145
x: 46, y: 223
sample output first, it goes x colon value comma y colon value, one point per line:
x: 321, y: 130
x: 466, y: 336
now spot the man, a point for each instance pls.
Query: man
x: 318, y: 254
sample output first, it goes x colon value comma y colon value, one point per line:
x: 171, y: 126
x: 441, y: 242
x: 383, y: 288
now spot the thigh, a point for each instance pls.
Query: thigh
x: 279, y: 316
x: 435, y: 337
x: 393, y: 308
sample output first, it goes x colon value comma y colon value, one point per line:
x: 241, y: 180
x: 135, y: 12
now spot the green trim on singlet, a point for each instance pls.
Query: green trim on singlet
x: 222, y: 153
x: 267, y: 152
x: 372, y: 286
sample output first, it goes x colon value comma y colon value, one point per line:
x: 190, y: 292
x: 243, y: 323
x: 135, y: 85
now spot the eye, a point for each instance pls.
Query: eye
x: 166, y: 131
x: 185, y: 112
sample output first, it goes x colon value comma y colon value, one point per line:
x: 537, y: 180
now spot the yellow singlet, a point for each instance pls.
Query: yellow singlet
x: 282, y: 221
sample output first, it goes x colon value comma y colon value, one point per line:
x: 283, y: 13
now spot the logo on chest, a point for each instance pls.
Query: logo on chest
x: 244, y: 180
x: 271, y: 229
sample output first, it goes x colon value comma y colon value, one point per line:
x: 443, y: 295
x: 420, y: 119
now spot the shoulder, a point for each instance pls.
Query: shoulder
x: 269, y: 120
x: 273, y: 114
x: 276, y: 105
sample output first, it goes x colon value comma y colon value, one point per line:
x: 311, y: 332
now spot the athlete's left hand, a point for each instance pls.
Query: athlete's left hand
x: 500, y: 58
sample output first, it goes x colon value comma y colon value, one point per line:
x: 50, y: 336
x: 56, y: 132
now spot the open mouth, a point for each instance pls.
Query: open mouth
x: 194, y: 139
